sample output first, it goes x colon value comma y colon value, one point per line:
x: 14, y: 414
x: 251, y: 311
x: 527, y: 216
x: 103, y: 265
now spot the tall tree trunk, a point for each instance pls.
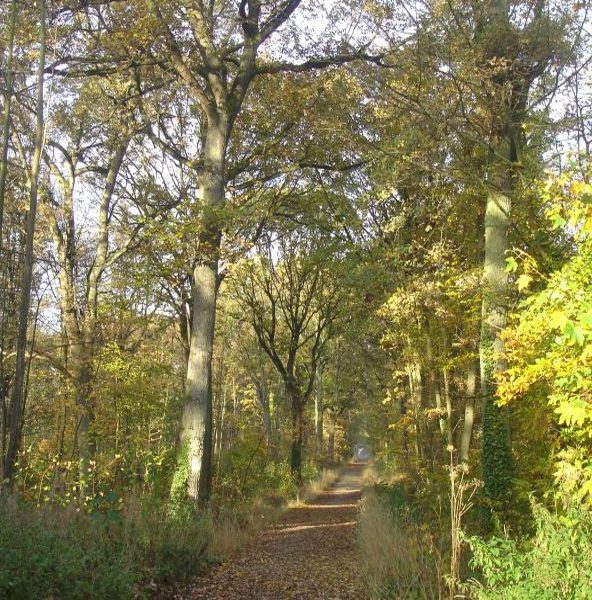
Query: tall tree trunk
x: 469, y: 418
x: 319, y: 409
x: 496, y: 460
x: 17, y: 405
x: 449, y: 411
x: 263, y: 398
x: 331, y: 438
x: 434, y: 384
x: 416, y: 393
x: 297, y: 433
x: 220, y: 432
x: 197, y: 414
x: 447, y: 398
x: 6, y: 117
x: 264, y: 404
x: 83, y: 379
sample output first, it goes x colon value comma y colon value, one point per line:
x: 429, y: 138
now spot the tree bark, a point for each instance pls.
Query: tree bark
x: 496, y: 459
x: 219, y: 441
x: 264, y: 404
x: 17, y: 405
x: 197, y: 413
x: 263, y: 397
x: 434, y: 384
x: 6, y: 116
x: 331, y: 438
x: 416, y: 393
x: 469, y: 419
x: 319, y: 409
x: 3, y: 174
x: 297, y: 436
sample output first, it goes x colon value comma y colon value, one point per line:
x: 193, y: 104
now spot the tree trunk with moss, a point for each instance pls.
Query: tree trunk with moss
x: 496, y: 459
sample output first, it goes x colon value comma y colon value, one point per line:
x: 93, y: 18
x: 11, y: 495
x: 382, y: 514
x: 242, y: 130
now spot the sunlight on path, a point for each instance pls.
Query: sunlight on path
x: 309, y: 554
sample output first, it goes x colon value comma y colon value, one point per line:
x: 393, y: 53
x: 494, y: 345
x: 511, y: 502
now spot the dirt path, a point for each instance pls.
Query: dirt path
x: 308, y: 554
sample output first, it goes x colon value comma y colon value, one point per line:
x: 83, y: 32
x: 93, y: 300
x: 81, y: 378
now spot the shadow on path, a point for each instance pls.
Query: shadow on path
x: 308, y: 554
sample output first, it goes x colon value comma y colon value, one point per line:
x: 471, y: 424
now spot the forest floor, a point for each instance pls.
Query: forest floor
x: 309, y: 553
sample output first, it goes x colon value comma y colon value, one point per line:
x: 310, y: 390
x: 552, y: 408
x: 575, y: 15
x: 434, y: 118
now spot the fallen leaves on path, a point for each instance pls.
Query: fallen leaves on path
x: 308, y: 555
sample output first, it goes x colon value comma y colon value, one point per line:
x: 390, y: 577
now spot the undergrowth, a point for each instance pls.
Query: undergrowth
x: 400, y: 556
x: 555, y: 563
x: 127, y: 550
x: 59, y: 552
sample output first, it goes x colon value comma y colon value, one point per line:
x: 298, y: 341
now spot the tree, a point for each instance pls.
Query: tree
x: 513, y: 54
x: 18, y: 395
x: 292, y: 302
x: 216, y: 67
x: 69, y: 161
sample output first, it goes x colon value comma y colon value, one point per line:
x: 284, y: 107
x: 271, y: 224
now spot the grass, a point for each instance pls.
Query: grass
x: 399, y: 559
x: 56, y: 551
x: 59, y: 552
x: 314, y: 487
x: 229, y: 530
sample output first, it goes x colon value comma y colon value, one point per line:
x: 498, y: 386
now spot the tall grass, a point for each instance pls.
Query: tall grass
x: 398, y: 557
x: 314, y: 487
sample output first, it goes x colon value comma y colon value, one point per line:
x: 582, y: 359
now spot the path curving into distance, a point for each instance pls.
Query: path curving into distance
x: 309, y: 554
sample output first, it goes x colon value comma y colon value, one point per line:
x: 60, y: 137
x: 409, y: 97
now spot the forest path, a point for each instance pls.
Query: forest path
x: 308, y: 554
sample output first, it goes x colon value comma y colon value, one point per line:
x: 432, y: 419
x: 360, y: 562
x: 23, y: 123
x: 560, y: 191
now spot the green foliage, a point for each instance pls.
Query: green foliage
x: 55, y: 553
x: 64, y: 553
x: 496, y: 456
x: 556, y: 563
x: 138, y: 404
x: 169, y: 541
x: 247, y: 472
x: 549, y: 343
x: 181, y: 474
x: 394, y: 497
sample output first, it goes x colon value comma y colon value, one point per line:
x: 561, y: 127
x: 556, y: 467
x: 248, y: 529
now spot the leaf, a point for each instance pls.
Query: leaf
x: 558, y: 221
x: 572, y: 413
x: 523, y: 282
x: 558, y: 319
x: 574, y: 333
x: 511, y: 265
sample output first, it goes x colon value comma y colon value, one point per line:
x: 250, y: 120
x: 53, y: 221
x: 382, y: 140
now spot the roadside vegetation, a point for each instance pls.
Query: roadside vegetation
x: 242, y: 241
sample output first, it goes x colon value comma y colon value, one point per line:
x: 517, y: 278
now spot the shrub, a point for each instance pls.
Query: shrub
x: 556, y: 563
x: 62, y: 553
x: 168, y: 541
x: 55, y: 553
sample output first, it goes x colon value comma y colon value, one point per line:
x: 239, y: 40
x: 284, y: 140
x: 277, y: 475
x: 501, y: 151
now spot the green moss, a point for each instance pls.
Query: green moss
x: 496, y: 461
x: 181, y: 475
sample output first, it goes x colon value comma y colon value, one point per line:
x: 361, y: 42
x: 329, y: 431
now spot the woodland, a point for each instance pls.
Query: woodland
x: 240, y: 239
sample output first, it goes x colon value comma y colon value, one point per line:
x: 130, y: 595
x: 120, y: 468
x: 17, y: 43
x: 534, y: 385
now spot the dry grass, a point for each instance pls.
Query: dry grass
x: 229, y: 532
x: 397, y: 558
x: 314, y: 488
